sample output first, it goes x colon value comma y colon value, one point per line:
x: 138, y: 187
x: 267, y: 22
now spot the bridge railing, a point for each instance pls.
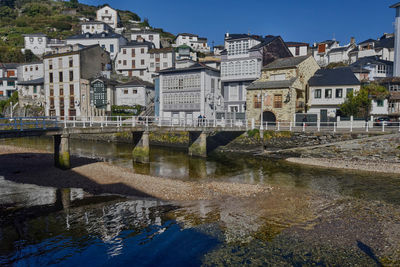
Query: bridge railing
x: 237, y: 124
x: 28, y: 123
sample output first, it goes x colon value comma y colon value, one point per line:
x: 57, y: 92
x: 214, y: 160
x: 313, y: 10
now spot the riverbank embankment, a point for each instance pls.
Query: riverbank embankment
x: 374, y: 154
x: 37, y: 167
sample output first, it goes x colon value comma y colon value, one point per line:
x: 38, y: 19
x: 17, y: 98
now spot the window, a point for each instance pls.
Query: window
x: 328, y: 93
x: 141, y: 73
x: 37, y: 68
x: 119, y: 61
x: 278, y: 77
x: 257, y: 101
x: 10, y: 73
x: 60, y: 76
x: 60, y: 63
x: 124, y: 62
x: 165, y: 55
x: 71, y: 89
x: 379, y: 103
x: 297, y: 51
x: 151, y: 55
x: 10, y: 83
x: 34, y: 89
x: 133, y: 64
x: 111, y: 48
x: 339, y: 93
x: 348, y: 91
x: 152, y: 65
x: 277, y: 101
x: 71, y: 102
x: 165, y: 65
x: 151, y: 37
x: 71, y: 75
x: 61, y: 91
x: 1, y: 93
x: 26, y: 68
x: 133, y: 52
x: 134, y: 91
x: 51, y: 102
x: 71, y: 62
x: 317, y: 93
x: 124, y: 51
x: 142, y: 62
x: 233, y: 93
x: 212, y: 85
x: 51, y: 77
x: 31, y: 68
x: 142, y: 50
x: 321, y: 48
x: 50, y: 64
x: 125, y: 92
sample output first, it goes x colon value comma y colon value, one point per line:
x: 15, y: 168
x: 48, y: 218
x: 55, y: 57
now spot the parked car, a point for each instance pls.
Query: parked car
x: 388, y: 121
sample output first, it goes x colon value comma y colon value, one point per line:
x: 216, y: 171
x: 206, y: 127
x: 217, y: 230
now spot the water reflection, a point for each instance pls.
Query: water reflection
x: 176, y: 164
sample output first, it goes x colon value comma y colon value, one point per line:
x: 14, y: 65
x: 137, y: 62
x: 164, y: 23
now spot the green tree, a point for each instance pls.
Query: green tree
x: 30, y: 56
x: 7, y: 12
x: 35, y: 9
x: 358, y: 104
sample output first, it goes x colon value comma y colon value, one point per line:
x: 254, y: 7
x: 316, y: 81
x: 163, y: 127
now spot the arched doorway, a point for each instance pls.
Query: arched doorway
x: 268, y: 116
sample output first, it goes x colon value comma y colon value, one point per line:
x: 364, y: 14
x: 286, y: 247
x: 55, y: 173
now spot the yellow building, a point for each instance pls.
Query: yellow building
x: 281, y: 91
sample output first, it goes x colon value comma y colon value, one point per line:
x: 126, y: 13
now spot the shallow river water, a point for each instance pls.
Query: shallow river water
x: 311, y: 217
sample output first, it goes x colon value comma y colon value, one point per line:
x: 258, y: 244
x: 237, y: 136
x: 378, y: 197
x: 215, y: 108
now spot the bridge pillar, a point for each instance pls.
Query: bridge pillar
x: 61, y: 151
x: 198, y: 144
x: 141, y: 150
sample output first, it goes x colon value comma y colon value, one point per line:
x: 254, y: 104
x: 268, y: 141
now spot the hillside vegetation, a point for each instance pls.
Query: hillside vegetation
x: 57, y: 19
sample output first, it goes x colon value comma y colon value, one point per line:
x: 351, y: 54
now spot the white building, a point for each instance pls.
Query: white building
x: 383, y: 48
x: 149, y: 36
x: 133, y: 60
x: 188, y: 90
x: 328, y: 89
x: 396, y: 40
x: 136, y: 92
x: 31, y: 92
x: 67, y: 75
x: 298, y: 49
x: 110, y: 41
x: 108, y: 15
x: 241, y: 64
x: 40, y: 44
x: 30, y: 71
x: 142, y: 60
x: 376, y: 67
x: 320, y: 51
x: 195, y: 42
x: 8, y: 79
x: 95, y: 27
x: 217, y: 49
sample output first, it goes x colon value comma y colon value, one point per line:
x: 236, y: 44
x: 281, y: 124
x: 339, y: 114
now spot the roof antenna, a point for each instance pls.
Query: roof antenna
x: 334, y: 37
x: 248, y: 32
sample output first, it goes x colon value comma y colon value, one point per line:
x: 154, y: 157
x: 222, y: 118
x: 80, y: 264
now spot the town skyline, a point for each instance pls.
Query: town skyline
x: 299, y: 23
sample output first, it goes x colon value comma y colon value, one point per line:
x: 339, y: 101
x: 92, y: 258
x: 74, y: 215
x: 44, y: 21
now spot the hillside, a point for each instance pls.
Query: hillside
x: 57, y: 19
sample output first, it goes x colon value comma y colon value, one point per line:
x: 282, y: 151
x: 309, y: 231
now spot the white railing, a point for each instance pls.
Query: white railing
x: 228, y: 124
x: 153, y: 123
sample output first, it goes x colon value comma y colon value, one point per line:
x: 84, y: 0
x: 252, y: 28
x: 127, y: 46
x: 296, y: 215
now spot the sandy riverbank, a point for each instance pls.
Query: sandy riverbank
x: 37, y: 167
x: 369, y: 166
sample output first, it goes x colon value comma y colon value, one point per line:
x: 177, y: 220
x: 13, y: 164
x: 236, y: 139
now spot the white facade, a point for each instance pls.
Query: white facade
x: 152, y: 37
x: 134, y: 94
x: 329, y: 98
x: 321, y: 50
x: 193, y: 41
x: 40, y: 44
x: 95, y: 27
x: 143, y: 61
x: 189, y: 92
x: 396, y: 67
x: 111, y: 42
x: 30, y: 71
x: 108, y: 15
x: 133, y: 60
x: 380, y: 107
x: 8, y: 79
x: 297, y: 49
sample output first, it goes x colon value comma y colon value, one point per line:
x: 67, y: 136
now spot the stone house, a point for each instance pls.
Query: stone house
x: 108, y: 15
x: 281, y: 91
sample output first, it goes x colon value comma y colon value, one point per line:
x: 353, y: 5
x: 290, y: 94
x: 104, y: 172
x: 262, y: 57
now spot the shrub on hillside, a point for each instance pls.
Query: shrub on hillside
x: 36, y: 9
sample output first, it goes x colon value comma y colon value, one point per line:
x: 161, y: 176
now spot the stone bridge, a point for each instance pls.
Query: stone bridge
x: 204, y: 135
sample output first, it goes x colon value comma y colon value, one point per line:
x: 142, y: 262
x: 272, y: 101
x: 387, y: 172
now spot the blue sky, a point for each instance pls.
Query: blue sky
x: 295, y: 20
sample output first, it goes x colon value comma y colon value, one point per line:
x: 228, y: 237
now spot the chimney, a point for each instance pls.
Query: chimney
x: 352, y: 40
x: 396, y: 65
x: 227, y: 35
